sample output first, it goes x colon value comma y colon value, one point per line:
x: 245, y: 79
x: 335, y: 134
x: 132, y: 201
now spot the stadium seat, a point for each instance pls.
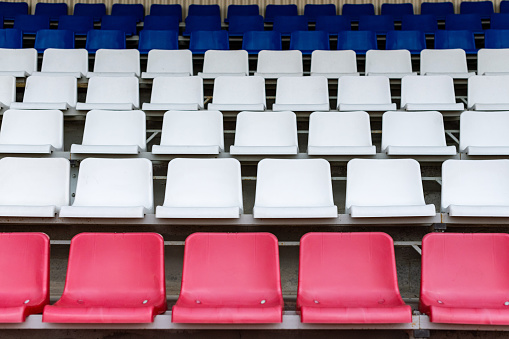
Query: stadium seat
x: 425, y: 22
x: 484, y: 133
x: 18, y: 62
x: 25, y: 290
x: 32, y: 132
x: 49, y: 92
x: 102, y: 39
x: 233, y: 93
x: 256, y: 41
x: 202, y: 41
x: 241, y: 10
x: 166, y: 10
x: 333, y: 24
x: 294, y: 188
x: 464, y: 278
x: 275, y: 64
x: 504, y: 6
x: 349, y: 278
x: 273, y: 10
x: 196, y: 23
x: 175, y: 93
x: 482, y: 8
x: 66, y: 62
x: 112, y: 93
x: 488, y: 93
x: 418, y: 133
x: 333, y: 64
x: 111, y: 63
x: 340, y: 133
x: 399, y: 194
x: 202, y: 188
x: 308, y: 42
x: 499, y: 21
x: 313, y: 11
x: 135, y: 10
x: 33, y: 187
x: 53, y: 10
x: 124, y: 23
x: 223, y: 282
x: 96, y: 11
x: 358, y: 41
x: 10, y: 10
x: 161, y: 23
x: 449, y: 39
x: 7, y: 90
x: 397, y: 11
x: 219, y: 63
x: 265, y: 133
x: 161, y: 40
x: 470, y: 22
x: 493, y: 61
x: 53, y: 38
x: 354, y: 11
x: 413, y: 41
x: 168, y: 63
x: 381, y: 24
x: 203, y: 10
x: 420, y: 93
x: 30, y: 24
x: 240, y: 24
x: 286, y: 24
x: 352, y: 92
x: 186, y: 132
x: 113, y: 132
x: 452, y: 62
x: 112, y: 278
x: 11, y: 38
x: 112, y: 188
x: 439, y: 9
x: 496, y: 38
x: 393, y: 64
x: 475, y: 188
x: 80, y: 25
x: 302, y: 94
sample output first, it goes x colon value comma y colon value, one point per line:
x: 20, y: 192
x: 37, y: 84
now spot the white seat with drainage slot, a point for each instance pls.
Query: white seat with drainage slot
x: 7, y: 90
x: 49, y: 92
x: 493, y: 61
x: 116, y: 62
x: 302, y: 94
x: 420, y: 93
x: 233, y: 93
x: 111, y: 93
x: 168, y: 63
x: 393, y: 64
x: 229, y: 63
x: 333, y: 64
x: 484, y: 133
x: 488, y: 93
x: 276, y: 64
x: 175, y: 93
x: 61, y: 62
x: 451, y: 62
x: 19, y: 63
x: 371, y: 93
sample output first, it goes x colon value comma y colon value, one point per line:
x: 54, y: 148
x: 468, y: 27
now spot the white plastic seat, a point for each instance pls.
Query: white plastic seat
x: 266, y: 133
x: 33, y: 187
x: 113, y: 93
x: 32, y: 132
x: 335, y: 133
x: 475, y: 188
x: 230, y: 63
x: 420, y: 93
x: 385, y: 188
x: 294, y: 188
x: 364, y: 94
x: 393, y: 64
x: 202, y: 188
x: 302, y: 94
x: 18, y: 62
x: 49, y: 92
x: 484, y: 133
x: 333, y: 64
x: 113, y: 132
x: 175, y: 93
x: 112, y: 188
x: 185, y: 132
x: 276, y: 64
x: 7, y: 90
x: 168, y: 63
x: 418, y: 133
x: 488, y: 93
x: 452, y: 62
x: 233, y: 93
x: 116, y: 62
x: 493, y: 61
x: 71, y: 62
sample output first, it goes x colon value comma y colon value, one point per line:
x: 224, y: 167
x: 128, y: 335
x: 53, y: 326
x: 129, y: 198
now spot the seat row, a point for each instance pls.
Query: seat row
x: 235, y: 278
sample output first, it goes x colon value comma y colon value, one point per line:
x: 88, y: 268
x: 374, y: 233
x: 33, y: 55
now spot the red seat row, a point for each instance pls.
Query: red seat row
x: 235, y: 278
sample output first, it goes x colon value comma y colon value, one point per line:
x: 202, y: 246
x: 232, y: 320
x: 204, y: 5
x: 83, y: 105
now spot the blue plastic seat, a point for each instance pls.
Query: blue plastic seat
x: 333, y: 24
x: 397, y: 11
x: 10, y: 10
x: 483, y: 8
x: 97, y: 39
x: 313, y: 11
x: 53, y: 10
x: 167, y: 10
x: 272, y: 11
x: 455, y: 39
x: 135, y: 10
x: 354, y: 11
x: 53, y: 38
x: 496, y: 38
x: 205, y: 10
x: 309, y: 41
x: 499, y: 21
x: 470, y: 22
x: 80, y: 25
x: 96, y: 11
x: 202, y: 23
x: 11, y: 38
x: 439, y: 9
x: 381, y: 24
x: 504, y: 6
x: 358, y: 41
x: 241, y: 10
x: 424, y: 22
x: 161, y: 23
x: 151, y: 39
x: 240, y: 24
x: 286, y: 24
x: 124, y: 23
x: 255, y: 41
x: 30, y: 24
x: 202, y: 41
x: 413, y: 41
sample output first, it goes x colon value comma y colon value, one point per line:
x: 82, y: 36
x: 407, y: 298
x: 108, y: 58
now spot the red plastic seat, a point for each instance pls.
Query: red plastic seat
x: 465, y: 278
x: 112, y: 278
x: 24, y: 275
x: 349, y: 278
x: 230, y: 278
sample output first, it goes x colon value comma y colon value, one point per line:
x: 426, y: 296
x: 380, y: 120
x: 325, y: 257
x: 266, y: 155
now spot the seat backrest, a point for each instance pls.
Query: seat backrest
x: 178, y: 61
x: 53, y: 10
x: 484, y: 89
x: 178, y: 90
x: 448, y: 39
x: 312, y: 11
x: 113, y: 90
x: 339, y: 129
x: 242, y: 10
x: 266, y: 129
x: 111, y: 60
x: 239, y: 24
x: 333, y: 62
x: 203, y: 183
x: 202, y: 41
x: 492, y: 60
x: 395, y: 61
x: 33, y: 127
x: 333, y: 24
x: 51, y: 89
x: 135, y: 10
x: 161, y: 40
x: 11, y: 38
x: 401, y: 184
x: 10, y: 10
x: 167, y: 10
x: 463, y: 21
x: 30, y: 24
x: 443, y: 61
x: 499, y: 21
x: 416, y: 89
x: 309, y: 41
x: 358, y: 41
x: 279, y: 62
x: 397, y: 10
x: 34, y: 182
x: 496, y: 38
x: 483, y: 8
x: 18, y: 60
x: 96, y: 11
x: 483, y: 129
x: 274, y: 10
x: 302, y: 90
x: 203, y: 10
x: 100, y: 38
x: 226, y: 62
x: 286, y: 24
x: 161, y: 22
x: 356, y: 10
x: 7, y: 89
x: 354, y: 90
x: 293, y: 183
x: 377, y: 23
x: 65, y: 60
x: 115, y: 128
x: 475, y: 182
x: 80, y: 25
x: 202, y: 23
x: 504, y: 7
x: 439, y: 9
x: 423, y: 22
x: 124, y: 23
x: 53, y: 38
x: 255, y: 41
x: 413, y: 41
x: 115, y: 182
x: 239, y: 90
